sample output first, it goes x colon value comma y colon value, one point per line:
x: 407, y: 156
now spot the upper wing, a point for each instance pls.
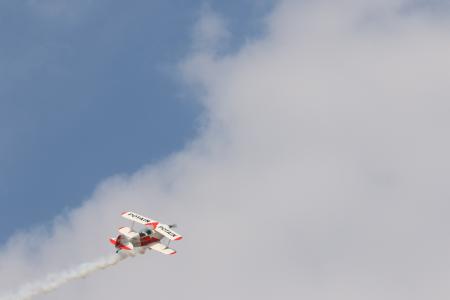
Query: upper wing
x: 138, y: 218
x: 166, y: 231
x: 162, y: 229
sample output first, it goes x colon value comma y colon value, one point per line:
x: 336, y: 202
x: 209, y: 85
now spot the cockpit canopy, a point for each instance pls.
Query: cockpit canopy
x: 145, y: 232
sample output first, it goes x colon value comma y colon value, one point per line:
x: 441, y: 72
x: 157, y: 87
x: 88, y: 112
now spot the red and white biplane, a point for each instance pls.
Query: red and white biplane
x: 148, y: 238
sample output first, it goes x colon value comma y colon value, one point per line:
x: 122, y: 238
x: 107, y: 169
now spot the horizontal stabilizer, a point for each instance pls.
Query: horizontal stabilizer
x: 126, y: 246
x: 120, y: 245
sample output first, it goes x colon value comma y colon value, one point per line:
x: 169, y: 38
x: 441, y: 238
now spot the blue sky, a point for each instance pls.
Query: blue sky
x: 90, y: 89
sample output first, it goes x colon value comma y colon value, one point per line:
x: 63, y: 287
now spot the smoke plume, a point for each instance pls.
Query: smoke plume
x: 54, y: 281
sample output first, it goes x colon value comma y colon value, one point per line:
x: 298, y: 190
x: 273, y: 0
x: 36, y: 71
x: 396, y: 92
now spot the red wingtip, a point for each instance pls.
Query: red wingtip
x: 125, y: 212
x: 173, y: 252
x: 112, y: 241
x: 178, y: 238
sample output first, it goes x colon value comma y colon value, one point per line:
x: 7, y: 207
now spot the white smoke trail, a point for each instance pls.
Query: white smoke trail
x: 53, y: 281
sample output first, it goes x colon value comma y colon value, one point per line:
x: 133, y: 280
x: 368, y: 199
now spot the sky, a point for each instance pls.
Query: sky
x: 315, y: 167
x: 89, y: 89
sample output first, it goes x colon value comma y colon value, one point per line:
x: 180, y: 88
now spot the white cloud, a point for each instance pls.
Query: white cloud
x: 322, y: 173
x: 210, y: 31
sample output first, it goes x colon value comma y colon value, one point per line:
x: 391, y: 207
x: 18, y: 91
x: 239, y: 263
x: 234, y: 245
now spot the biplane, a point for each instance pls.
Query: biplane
x: 149, y: 237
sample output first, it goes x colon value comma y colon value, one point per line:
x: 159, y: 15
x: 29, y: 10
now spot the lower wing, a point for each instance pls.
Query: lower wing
x: 161, y: 248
